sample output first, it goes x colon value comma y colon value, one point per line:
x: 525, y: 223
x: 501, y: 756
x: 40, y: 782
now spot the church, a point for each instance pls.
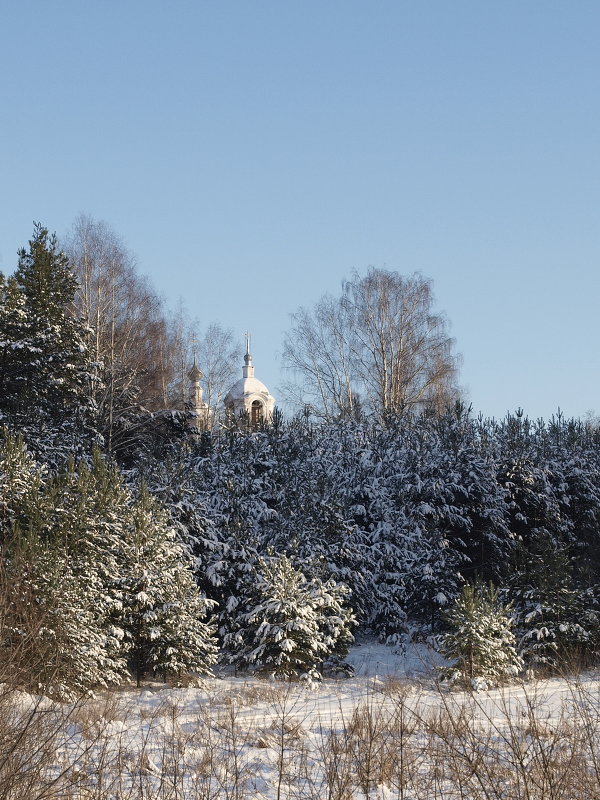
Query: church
x: 247, y: 399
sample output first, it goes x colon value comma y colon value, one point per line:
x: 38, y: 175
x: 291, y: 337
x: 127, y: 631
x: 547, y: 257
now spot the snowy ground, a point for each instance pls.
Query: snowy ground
x: 388, y: 732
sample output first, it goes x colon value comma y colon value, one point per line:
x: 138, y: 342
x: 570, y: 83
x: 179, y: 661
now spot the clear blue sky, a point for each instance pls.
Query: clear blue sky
x: 252, y: 154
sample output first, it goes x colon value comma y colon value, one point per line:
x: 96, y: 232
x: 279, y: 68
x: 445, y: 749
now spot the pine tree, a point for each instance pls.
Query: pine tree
x: 428, y: 497
x: 90, y: 507
x: 53, y: 633
x: 15, y: 346
x: 480, y: 641
x: 50, y: 636
x: 45, y: 375
x: 21, y: 481
x: 57, y: 375
x: 162, y: 609
x: 92, y: 580
x: 557, y: 622
x: 288, y: 625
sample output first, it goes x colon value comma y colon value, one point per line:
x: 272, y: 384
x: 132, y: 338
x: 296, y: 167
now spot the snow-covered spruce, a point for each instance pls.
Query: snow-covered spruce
x: 92, y: 581
x: 54, y: 635
x: 21, y: 481
x: 480, y: 642
x: 162, y: 611
x: 45, y: 370
x: 288, y: 625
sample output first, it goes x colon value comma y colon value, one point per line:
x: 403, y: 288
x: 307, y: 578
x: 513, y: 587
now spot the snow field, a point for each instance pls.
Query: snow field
x: 380, y: 735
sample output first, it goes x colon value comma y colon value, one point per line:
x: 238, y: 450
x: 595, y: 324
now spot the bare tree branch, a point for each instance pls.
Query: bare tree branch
x: 379, y: 343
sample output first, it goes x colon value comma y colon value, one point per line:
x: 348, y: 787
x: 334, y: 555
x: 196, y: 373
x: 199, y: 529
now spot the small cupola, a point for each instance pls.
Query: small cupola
x: 199, y: 412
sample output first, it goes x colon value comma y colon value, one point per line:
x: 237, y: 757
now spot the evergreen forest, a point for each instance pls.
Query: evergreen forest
x: 134, y: 547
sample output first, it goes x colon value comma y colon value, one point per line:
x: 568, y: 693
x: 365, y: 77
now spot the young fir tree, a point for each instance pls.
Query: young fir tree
x: 22, y: 657
x: 54, y: 634
x: 288, y: 625
x: 21, y: 481
x: 90, y: 508
x: 163, y: 612
x: 92, y: 580
x: 337, y: 621
x: 558, y: 623
x: 480, y: 642
x: 51, y: 636
x: 136, y: 579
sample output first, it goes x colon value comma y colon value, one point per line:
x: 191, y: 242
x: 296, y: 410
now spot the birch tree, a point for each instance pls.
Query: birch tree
x: 379, y: 345
x: 130, y: 336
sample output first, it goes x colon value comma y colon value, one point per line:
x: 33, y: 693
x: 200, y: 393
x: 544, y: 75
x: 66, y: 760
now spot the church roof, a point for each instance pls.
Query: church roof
x: 194, y: 374
x: 248, y: 386
x: 245, y: 387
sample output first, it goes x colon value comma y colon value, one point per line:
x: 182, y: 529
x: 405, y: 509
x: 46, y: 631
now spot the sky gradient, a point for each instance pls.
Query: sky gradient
x: 253, y: 154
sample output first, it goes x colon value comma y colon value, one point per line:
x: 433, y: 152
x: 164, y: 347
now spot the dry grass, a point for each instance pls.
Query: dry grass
x: 460, y: 747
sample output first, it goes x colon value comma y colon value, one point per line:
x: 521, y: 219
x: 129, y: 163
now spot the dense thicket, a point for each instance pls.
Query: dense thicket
x: 290, y: 535
x: 93, y: 582
x: 404, y: 511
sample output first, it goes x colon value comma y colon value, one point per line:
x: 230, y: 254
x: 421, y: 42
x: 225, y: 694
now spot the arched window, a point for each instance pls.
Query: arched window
x: 256, y: 414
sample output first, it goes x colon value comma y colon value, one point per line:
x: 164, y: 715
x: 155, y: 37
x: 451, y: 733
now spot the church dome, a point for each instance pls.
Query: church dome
x: 246, y: 386
x: 249, y: 396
